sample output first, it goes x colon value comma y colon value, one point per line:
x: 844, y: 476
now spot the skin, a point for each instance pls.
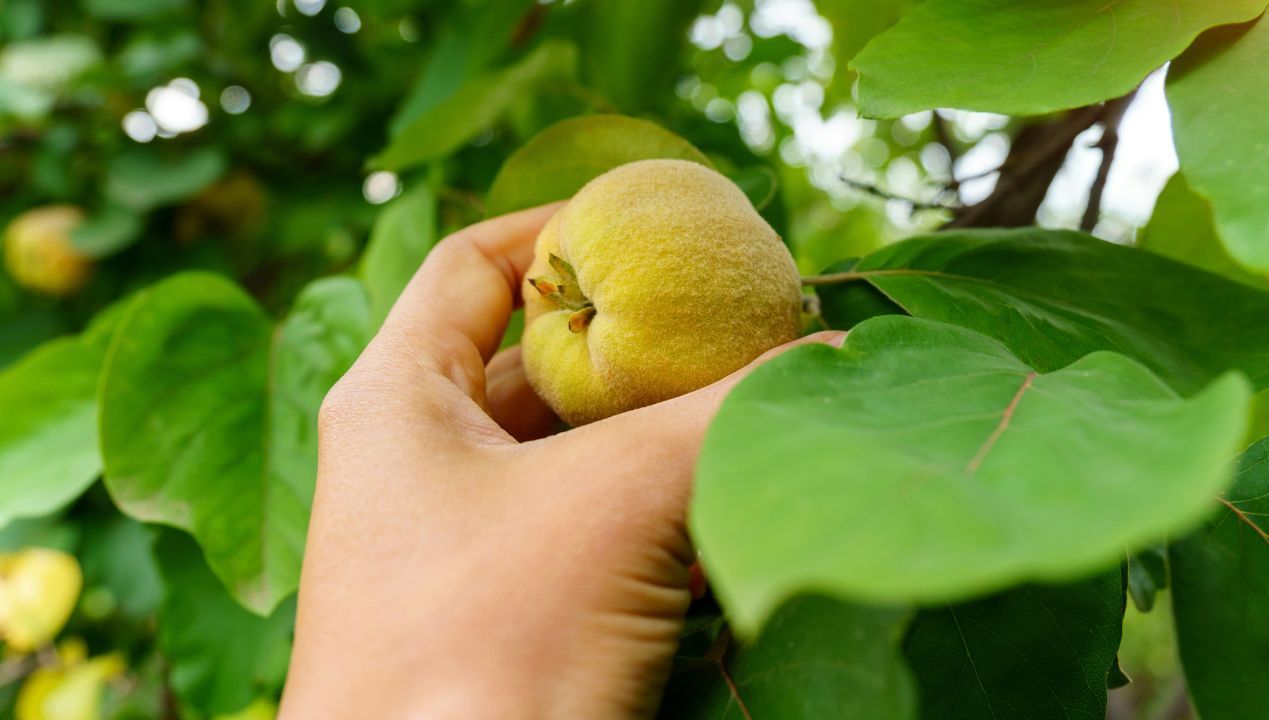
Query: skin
x: 462, y: 562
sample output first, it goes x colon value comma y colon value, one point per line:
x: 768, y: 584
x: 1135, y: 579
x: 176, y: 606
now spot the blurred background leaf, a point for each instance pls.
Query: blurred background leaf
x: 557, y: 162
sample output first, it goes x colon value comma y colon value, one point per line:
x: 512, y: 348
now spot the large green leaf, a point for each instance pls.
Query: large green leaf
x: 208, y: 419
x: 1182, y: 228
x: 634, y: 48
x: 1054, y: 296
x: 925, y: 462
x: 48, y: 430
x: 222, y: 657
x: 444, y: 127
x: 402, y: 236
x: 558, y: 161
x: 817, y: 658
x: 1220, y: 598
x: 855, y: 23
x: 1037, y: 652
x: 1217, y: 92
x: 1028, y: 58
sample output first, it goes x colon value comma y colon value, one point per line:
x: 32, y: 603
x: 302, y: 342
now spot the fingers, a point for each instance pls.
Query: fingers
x: 451, y: 316
x: 666, y: 437
x: 511, y: 401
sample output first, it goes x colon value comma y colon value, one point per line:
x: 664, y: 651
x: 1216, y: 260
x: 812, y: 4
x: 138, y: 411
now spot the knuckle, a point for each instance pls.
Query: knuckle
x: 337, y: 407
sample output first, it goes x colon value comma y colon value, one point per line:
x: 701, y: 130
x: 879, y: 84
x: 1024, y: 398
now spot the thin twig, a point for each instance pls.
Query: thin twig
x: 16, y: 668
x: 887, y: 195
x: 1179, y: 708
x: 944, y: 136
x: 979, y: 175
x: 1108, y: 143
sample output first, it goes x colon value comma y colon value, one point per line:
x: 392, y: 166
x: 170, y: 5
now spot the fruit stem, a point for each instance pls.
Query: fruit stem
x: 563, y: 290
x: 579, y: 320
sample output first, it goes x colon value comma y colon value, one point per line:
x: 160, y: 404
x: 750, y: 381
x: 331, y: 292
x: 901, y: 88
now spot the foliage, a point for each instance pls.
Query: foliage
x: 944, y: 518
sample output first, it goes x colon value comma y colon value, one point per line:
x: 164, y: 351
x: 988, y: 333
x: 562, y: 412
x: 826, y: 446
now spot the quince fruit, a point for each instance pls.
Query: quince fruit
x: 38, y: 251
x: 656, y: 279
x: 38, y: 592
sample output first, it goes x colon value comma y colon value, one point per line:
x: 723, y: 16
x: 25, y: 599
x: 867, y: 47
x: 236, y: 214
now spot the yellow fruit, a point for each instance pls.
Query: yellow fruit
x: 39, y: 254
x: 656, y: 279
x: 38, y: 591
x: 70, y: 689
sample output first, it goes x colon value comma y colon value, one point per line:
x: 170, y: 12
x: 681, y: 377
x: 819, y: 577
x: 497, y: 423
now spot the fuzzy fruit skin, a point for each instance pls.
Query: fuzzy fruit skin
x: 688, y: 282
x: 38, y: 251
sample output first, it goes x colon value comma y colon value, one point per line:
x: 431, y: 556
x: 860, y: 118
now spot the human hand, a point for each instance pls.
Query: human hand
x: 461, y: 562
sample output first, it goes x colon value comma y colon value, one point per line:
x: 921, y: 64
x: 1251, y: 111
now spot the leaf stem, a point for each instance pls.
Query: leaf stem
x: 832, y: 278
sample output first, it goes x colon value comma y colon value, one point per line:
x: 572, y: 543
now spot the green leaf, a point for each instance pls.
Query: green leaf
x: 46, y: 531
x: 146, y: 179
x: 116, y: 556
x: 817, y: 658
x: 845, y: 306
x: 1054, y: 296
x: 108, y: 232
x: 1027, y: 58
x: 449, y: 124
x: 1147, y: 576
x: 208, y: 419
x: 222, y: 657
x: 1035, y: 652
x: 402, y: 236
x: 855, y: 22
x: 634, y: 48
x: 558, y: 161
x: 48, y: 430
x: 48, y: 63
x: 131, y: 9
x: 1220, y: 132
x: 1182, y: 228
x: 925, y: 462
x: 472, y: 37
x: 20, y: 19
x: 147, y: 55
x: 759, y: 183
x: 1220, y: 583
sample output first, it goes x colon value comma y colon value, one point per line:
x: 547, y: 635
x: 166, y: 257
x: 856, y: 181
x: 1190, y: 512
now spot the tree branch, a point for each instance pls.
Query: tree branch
x: 1036, y: 155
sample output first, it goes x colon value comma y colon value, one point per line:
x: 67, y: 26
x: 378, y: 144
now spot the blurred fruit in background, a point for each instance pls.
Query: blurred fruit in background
x: 39, y: 254
x: 38, y: 591
x: 70, y: 688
